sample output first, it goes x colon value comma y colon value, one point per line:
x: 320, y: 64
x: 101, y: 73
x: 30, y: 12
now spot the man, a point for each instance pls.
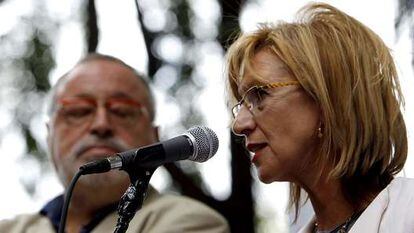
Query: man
x: 99, y: 108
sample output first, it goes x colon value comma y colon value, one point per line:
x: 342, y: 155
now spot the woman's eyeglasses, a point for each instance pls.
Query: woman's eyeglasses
x: 254, y: 96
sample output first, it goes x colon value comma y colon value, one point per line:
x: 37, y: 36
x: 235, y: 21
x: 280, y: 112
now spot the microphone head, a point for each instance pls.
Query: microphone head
x: 205, y: 143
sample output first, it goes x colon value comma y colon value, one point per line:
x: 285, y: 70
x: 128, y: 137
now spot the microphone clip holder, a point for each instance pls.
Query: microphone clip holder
x: 133, y: 197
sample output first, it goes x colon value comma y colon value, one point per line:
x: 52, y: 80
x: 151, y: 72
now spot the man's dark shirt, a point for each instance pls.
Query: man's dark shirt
x: 53, y: 211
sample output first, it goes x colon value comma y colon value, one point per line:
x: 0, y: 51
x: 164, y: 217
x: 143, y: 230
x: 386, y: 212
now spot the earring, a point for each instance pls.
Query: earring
x: 319, y: 132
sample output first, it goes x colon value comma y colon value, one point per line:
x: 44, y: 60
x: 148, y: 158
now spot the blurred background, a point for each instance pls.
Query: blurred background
x: 181, y: 45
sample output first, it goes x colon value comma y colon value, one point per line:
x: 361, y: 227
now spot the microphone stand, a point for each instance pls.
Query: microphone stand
x: 133, y: 197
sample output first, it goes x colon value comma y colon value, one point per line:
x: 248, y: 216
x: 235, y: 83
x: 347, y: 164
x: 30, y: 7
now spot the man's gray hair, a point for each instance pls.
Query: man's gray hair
x: 51, y: 98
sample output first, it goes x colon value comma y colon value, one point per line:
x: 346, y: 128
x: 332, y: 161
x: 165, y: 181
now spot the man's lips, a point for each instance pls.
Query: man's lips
x: 98, y: 151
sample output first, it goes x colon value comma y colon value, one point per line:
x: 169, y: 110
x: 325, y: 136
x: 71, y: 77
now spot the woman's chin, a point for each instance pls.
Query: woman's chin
x: 265, y: 177
x: 268, y: 177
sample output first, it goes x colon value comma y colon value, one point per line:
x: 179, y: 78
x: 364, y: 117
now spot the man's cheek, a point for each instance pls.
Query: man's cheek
x: 129, y: 139
x: 62, y: 150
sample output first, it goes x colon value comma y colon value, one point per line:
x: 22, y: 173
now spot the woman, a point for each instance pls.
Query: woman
x: 318, y: 102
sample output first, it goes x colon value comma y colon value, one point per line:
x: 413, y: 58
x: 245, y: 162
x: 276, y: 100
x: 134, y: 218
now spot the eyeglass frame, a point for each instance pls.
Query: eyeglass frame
x: 235, y: 110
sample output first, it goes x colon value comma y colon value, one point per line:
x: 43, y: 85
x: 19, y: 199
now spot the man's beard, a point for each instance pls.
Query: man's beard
x: 103, y: 181
x: 97, y: 182
x: 100, y: 189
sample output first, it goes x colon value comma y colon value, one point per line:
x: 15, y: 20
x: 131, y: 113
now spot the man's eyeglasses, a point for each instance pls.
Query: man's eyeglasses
x: 79, y: 110
x: 255, y: 95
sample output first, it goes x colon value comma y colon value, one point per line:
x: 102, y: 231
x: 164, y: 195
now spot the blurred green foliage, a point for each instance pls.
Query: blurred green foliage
x: 28, y: 59
x: 26, y: 63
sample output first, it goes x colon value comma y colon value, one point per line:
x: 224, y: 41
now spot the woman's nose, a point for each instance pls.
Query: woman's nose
x: 244, y: 123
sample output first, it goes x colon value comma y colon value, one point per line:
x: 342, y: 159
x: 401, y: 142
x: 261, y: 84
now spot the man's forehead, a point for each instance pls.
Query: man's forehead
x: 101, y: 77
x: 100, y: 67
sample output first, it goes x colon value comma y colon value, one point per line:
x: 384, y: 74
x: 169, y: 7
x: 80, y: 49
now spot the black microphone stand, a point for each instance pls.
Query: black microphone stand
x: 133, y: 197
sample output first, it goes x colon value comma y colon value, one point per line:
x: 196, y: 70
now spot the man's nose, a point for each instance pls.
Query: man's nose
x: 101, y: 125
x: 244, y: 123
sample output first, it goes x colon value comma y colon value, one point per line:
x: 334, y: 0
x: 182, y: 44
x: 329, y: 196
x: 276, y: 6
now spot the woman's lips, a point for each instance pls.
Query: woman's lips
x: 256, y: 149
x: 255, y: 157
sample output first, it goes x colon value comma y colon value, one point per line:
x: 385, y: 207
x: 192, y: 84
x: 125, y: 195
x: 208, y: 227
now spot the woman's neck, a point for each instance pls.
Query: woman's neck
x: 329, y: 203
x: 327, y: 196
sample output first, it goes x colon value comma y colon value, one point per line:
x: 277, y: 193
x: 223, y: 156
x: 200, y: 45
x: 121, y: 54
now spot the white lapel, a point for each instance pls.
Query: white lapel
x: 370, y: 219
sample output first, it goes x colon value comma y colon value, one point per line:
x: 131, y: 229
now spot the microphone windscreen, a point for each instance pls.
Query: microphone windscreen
x: 206, y: 143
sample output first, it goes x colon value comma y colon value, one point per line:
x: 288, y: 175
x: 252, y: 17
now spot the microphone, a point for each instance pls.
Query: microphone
x: 198, y: 144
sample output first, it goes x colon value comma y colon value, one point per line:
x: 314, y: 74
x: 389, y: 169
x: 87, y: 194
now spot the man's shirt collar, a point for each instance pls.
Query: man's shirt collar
x: 53, y: 211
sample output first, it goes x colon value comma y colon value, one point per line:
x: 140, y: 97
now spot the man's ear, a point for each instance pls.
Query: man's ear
x: 49, y: 138
x: 47, y: 124
x: 156, y: 133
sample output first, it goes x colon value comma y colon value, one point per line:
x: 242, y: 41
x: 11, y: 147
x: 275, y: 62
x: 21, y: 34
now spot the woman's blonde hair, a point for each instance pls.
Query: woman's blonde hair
x: 348, y: 70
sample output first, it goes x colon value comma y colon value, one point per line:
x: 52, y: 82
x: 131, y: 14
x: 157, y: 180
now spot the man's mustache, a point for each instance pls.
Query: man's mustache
x: 85, y: 144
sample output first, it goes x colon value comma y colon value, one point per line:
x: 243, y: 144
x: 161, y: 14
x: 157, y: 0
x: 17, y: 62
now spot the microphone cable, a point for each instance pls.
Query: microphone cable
x: 199, y: 144
x: 68, y: 196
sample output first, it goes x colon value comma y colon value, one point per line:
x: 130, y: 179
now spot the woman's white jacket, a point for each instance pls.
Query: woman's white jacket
x: 392, y: 211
